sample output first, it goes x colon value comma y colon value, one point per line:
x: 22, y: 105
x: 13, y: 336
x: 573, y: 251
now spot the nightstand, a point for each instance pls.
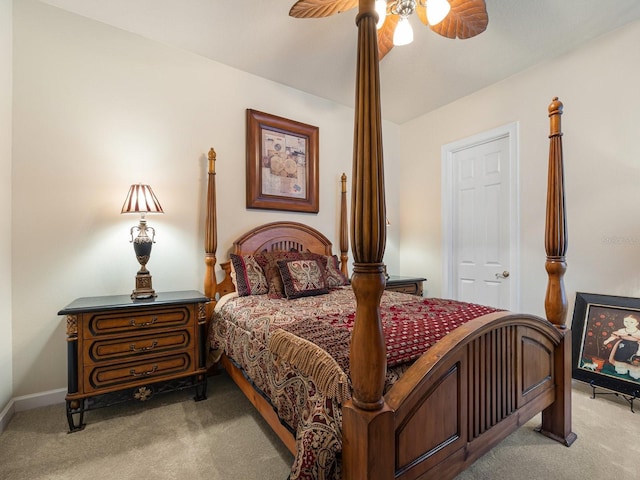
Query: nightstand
x: 412, y: 285
x: 119, y: 349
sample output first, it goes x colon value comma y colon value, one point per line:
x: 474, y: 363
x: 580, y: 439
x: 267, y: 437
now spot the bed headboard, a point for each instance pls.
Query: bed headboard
x: 282, y: 236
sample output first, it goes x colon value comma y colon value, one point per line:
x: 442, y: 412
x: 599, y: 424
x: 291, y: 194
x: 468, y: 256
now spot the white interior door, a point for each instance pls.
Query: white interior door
x: 481, y: 219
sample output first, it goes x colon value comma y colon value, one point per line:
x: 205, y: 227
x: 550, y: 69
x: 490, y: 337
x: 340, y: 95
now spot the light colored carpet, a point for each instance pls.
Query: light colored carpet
x: 222, y: 438
x: 168, y: 437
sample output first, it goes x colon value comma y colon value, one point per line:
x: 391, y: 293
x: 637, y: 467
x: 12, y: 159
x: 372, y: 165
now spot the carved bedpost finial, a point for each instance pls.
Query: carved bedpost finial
x: 555, y: 111
x: 212, y: 160
x: 556, y: 223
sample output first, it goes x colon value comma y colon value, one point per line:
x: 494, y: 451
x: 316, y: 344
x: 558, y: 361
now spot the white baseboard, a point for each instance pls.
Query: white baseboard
x: 28, y: 402
x: 6, y: 414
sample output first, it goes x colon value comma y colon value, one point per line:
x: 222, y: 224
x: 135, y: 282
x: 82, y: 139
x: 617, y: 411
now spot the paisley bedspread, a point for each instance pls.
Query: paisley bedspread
x: 296, y: 353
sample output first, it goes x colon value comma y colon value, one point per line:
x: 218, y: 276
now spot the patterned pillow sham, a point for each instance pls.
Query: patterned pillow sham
x: 269, y: 263
x: 302, y: 278
x: 333, y: 274
x: 247, y: 275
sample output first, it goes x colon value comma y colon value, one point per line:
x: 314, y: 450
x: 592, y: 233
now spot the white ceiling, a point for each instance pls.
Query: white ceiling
x: 318, y: 55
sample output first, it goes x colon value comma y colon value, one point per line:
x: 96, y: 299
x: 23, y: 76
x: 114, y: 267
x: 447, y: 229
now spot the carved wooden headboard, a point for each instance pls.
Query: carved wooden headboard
x: 282, y: 236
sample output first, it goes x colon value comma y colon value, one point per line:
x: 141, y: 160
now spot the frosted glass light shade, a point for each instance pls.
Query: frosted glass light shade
x: 437, y: 10
x: 403, y: 34
x: 381, y: 9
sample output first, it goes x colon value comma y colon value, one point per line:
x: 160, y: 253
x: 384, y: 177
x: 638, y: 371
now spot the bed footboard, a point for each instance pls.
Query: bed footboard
x: 465, y: 395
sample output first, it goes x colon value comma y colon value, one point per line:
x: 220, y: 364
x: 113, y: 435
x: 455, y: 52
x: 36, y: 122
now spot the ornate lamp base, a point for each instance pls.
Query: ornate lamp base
x: 143, y: 286
x: 142, y: 246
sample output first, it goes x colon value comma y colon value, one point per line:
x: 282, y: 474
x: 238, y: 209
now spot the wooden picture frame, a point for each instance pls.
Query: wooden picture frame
x: 282, y: 164
x: 606, y: 342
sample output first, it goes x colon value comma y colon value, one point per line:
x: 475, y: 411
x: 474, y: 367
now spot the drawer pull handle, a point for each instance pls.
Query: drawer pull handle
x: 133, y: 348
x: 143, y: 374
x: 133, y: 323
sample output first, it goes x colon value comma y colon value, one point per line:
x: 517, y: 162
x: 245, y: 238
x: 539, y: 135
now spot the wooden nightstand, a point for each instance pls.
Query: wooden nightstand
x: 119, y: 349
x: 412, y: 285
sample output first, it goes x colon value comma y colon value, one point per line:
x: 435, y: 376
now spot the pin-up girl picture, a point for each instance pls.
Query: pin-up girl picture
x: 625, y: 354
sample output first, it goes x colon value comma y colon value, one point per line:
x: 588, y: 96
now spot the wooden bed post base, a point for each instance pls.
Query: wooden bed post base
x: 556, y: 418
x: 367, y: 454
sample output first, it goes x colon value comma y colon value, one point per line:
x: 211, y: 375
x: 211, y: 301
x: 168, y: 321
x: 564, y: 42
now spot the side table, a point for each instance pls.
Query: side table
x: 119, y: 349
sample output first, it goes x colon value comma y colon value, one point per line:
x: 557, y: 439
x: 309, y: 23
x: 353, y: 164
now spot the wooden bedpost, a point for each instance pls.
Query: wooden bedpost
x: 211, y: 235
x: 556, y: 419
x: 366, y: 418
x: 556, y: 223
x: 344, y: 232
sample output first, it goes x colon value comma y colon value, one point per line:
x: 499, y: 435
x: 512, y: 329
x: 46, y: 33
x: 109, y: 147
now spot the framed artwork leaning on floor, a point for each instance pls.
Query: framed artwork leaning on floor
x: 606, y: 342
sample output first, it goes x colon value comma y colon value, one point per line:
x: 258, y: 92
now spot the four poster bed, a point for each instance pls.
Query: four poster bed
x: 363, y: 383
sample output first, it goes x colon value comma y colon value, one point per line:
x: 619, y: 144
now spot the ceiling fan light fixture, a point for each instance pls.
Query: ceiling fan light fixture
x: 381, y: 10
x: 437, y: 10
x: 403, y: 34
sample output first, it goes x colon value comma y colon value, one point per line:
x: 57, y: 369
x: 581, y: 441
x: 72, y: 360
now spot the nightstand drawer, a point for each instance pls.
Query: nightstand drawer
x: 110, y: 323
x: 413, y: 289
x: 146, y: 370
x: 121, y: 348
x: 410, y: 285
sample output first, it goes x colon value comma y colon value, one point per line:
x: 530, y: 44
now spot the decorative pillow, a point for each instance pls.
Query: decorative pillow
x: 247, y: 275
x: 269, y: 263
x: 302, y: 278
x: 333, y: 274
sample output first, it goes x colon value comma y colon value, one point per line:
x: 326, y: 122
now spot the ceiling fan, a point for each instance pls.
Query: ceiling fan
x: 449, y: 18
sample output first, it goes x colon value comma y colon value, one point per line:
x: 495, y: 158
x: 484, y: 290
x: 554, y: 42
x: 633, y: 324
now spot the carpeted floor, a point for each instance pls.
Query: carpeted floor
x: 169, y: 437
x: 222, y: 438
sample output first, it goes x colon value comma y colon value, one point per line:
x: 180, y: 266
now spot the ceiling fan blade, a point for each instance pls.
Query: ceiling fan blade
x: 421, y: 12
x: 385, y: 35
x: 466, y: 19
x: 320, y: 8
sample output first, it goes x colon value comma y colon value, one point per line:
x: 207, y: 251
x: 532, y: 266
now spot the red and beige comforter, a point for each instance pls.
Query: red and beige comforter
x: 296, y: 353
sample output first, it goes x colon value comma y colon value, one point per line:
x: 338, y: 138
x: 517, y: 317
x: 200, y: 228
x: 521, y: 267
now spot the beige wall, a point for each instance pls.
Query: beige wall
x: 96, y: 109
x: 598, y: 85
x: 5, y: 202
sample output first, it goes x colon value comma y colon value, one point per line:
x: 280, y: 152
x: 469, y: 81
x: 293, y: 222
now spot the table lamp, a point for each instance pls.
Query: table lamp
x: 142, y: 200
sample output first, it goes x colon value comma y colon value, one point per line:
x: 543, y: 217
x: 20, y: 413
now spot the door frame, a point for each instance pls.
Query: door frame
x: 511, y: 132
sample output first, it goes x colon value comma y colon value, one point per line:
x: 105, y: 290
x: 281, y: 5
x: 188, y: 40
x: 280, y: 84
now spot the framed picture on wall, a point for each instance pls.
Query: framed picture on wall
x: 606, y: 342
x: 282, y: 164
